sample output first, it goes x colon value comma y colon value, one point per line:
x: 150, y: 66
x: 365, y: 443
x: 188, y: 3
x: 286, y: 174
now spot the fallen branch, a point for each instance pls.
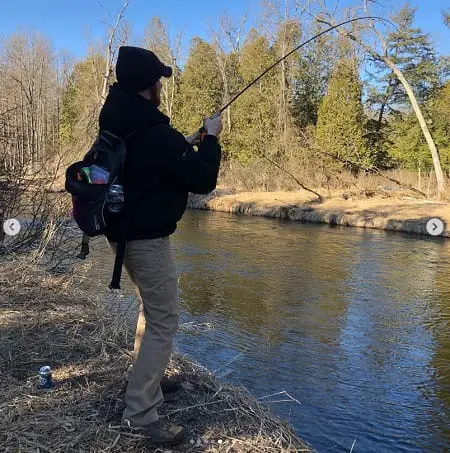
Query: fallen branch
x: 372, y: 169
x: 359, y: 166
x: 319, y: 197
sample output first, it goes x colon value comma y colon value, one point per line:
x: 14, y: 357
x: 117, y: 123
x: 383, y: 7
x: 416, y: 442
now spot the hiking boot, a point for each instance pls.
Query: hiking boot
x: 160, y: 433
x: 168, y: 384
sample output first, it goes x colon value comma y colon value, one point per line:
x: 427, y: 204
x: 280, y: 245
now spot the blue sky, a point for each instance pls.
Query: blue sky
x: 71, y: 24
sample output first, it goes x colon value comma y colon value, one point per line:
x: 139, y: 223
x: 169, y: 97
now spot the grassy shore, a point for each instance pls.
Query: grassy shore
x: 47, y: 319
x: 383, y: 212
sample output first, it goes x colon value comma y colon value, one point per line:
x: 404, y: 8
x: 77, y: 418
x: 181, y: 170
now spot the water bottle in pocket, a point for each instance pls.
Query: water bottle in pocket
x: 115, y: 198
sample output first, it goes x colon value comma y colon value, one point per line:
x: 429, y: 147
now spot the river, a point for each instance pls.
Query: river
x: 354, y: 324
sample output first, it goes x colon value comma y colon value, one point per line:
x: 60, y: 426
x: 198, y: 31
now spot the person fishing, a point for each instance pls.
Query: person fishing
x: 160, y: 168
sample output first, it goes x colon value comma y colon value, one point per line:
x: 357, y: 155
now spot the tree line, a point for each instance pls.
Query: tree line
x: 371, y: 97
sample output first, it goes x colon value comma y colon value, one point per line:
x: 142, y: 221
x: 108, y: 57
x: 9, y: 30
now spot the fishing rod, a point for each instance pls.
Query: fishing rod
x: 318, y: 35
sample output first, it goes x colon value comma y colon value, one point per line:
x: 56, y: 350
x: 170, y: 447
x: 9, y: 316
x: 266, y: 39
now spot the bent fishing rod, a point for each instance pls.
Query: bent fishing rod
x: 318, y: 35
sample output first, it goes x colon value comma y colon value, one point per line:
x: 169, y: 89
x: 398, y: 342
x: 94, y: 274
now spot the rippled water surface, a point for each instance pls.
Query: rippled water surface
x: 352, y: 323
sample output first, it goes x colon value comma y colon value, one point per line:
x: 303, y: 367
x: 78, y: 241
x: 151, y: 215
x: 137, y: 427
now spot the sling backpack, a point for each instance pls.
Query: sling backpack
x: 91, y: 183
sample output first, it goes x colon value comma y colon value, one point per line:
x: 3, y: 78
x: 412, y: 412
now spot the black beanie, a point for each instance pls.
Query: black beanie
x: 138, y: 69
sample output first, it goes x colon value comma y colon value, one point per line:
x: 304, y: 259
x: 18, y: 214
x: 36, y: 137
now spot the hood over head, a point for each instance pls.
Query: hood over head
x: 125, y: 112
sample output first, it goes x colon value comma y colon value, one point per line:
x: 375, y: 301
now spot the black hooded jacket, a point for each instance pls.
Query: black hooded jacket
x: 160, y: 167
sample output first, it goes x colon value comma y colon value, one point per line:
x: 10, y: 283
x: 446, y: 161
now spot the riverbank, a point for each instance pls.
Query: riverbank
x: 379, y: 212
x: 47, y: 319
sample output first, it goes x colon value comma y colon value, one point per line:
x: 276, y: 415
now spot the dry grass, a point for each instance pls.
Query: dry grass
x: 49, y: 320
x: 262, y: 176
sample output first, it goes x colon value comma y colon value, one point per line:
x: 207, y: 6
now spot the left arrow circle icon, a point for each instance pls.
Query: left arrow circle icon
x: 11, y: 227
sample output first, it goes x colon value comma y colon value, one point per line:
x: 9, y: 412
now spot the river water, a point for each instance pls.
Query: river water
x: 354, y: 324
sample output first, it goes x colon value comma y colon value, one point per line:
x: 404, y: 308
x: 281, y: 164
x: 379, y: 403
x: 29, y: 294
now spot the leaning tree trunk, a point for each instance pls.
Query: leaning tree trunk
x: 426, y: 132
x: 415, y: 105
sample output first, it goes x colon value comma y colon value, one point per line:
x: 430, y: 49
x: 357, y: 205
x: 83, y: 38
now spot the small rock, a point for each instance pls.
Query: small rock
x: 192, y: 441
x: 220, y: 441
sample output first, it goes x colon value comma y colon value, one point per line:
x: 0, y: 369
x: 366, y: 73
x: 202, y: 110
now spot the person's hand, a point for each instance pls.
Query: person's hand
x: 213, y: 125
x: 193, y: 139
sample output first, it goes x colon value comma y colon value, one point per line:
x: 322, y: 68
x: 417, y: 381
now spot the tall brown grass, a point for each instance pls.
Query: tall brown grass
x: 263, y: 176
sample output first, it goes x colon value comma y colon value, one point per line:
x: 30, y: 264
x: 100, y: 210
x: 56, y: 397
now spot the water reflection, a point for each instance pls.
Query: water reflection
x: 353, y: 323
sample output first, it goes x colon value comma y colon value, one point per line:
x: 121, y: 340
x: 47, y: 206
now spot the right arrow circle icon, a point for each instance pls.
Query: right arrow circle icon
x: 435, y: 227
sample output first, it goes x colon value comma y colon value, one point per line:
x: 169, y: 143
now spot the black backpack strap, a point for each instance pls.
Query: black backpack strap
x: 122, y: 244
x: 118, y: 263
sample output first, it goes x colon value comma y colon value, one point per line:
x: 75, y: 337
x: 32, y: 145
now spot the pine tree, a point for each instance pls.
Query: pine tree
x: 446, y: 17
x: 255, y: 112
x: 201, y: 88
x: 234, y: 84
x: 313, y: 71
x: 340, y: 125
x: 287, y: 37
x: 407, y: 145
x: 439, y: 109
x: 412, y: 52
x: 82, y: 101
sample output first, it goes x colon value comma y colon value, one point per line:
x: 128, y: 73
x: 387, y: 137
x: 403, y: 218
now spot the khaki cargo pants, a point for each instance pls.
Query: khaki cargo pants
x: 151, y: 268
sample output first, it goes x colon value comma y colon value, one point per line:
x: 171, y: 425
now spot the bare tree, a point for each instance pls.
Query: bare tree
x: 115, y: 40
x: 29, y: 136
x: 28, y: 84
x: 111, y: 48
x: 281, y: 25
x: 157, y: 39
x: 227, y: 42
x: 324, y: 15
x: 82, y: 102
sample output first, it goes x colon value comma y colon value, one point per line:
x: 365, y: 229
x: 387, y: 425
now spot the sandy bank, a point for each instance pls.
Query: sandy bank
x: 395, y: 214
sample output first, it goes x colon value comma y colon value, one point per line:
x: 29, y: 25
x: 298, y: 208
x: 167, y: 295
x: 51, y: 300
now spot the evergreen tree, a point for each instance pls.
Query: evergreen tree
x: 407, y: 145
x: 340, y: 125
x: 287, y: 37
x: 309, y: 86
x: 201, y: 88
x: 234, y: 84
x: 255, y: 112
x: 440, y: 115
x: 446, y: 17
x: 68, y: 114
x: 412, y: 52
x: 81, y: 101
